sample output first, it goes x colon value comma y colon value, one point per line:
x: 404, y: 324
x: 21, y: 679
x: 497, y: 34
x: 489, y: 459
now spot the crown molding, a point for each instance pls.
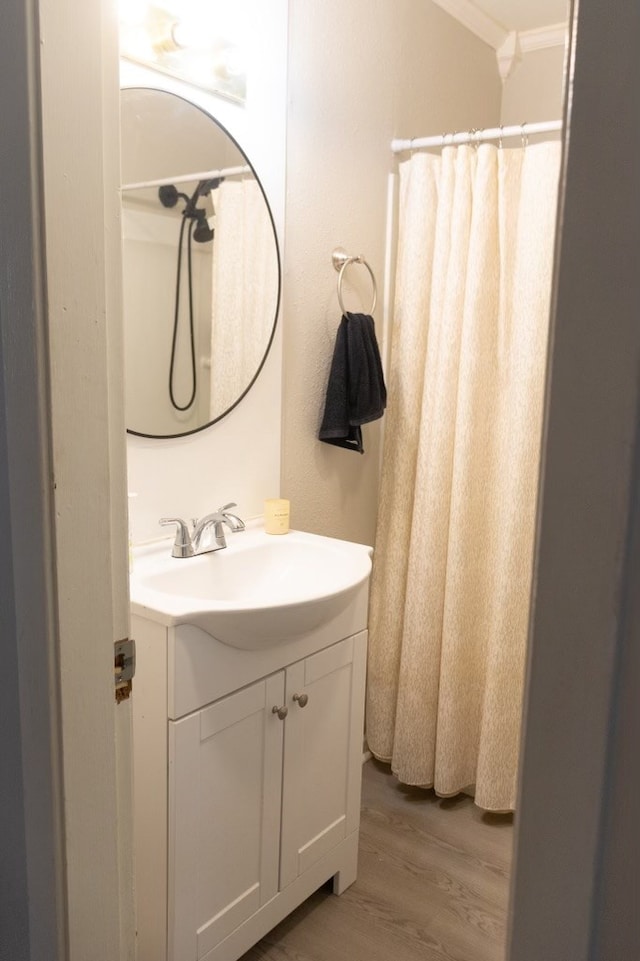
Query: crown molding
x: 496, y: 34
x: 541, y: 38
x: 476, y: 20
x: 509, y: 55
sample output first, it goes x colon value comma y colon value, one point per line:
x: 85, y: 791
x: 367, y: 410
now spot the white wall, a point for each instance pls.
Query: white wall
x: 533, y: 92
x: 357, y: 78
x: 239, y: 458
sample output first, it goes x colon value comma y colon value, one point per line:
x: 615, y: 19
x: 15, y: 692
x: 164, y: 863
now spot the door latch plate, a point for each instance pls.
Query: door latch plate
x: 124, y: 667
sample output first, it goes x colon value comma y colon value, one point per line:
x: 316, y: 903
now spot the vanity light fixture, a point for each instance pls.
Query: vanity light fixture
x: 198, y: 41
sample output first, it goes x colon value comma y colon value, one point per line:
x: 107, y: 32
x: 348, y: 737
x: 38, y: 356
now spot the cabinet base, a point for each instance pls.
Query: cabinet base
x: 345, y: 877
x: 340, y: 863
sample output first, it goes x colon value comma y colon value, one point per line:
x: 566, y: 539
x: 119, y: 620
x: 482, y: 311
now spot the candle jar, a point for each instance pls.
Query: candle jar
x: 276, y: 515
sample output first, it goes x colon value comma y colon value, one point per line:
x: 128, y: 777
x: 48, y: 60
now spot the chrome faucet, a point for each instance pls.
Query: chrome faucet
x: 206, y: 535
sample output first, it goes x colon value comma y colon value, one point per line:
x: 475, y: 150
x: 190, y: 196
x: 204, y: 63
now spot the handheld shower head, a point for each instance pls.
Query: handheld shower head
x: 202, y: 232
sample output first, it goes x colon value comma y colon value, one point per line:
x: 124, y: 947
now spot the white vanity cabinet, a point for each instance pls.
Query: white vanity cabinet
x: 247, y: 788
x: 225, y: 764
x: 322, y: 755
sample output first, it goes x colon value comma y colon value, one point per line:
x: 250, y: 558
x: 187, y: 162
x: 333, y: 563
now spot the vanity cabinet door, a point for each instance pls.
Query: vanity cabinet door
x: 225, y: 765
x: 322, y: 754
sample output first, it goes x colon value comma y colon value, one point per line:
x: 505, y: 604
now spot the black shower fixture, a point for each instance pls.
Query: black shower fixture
x: 202, y: 232
x: 194, y: 219
x: 169, y: 196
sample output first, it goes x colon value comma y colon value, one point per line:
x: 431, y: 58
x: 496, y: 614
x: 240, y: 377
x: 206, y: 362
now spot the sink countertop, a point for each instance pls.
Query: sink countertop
x: 262, y: 589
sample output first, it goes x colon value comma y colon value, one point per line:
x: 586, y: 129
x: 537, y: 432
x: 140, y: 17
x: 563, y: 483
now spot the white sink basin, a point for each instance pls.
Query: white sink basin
x: 260, y: 590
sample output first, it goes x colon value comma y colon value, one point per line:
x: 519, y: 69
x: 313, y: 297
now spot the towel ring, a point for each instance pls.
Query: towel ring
x: 341, y: 260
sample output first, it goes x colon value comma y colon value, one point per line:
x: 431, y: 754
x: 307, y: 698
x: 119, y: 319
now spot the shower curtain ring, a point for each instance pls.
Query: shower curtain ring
x: 500, y: 137
x: 524, y: 136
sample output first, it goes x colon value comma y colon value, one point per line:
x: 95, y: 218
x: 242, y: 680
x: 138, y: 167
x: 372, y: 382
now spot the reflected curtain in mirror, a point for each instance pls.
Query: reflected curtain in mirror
x: 244, y: 288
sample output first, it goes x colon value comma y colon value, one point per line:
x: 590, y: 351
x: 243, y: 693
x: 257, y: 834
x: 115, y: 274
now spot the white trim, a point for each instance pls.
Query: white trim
x: 496, y: 34
x: 509, y: 55
x: 79, y: 94
x: 541, y: 38
x: 476, y: 20
x: 517, y: 44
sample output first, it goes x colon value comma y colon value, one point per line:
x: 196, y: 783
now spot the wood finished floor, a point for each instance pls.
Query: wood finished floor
x: 432, y: 885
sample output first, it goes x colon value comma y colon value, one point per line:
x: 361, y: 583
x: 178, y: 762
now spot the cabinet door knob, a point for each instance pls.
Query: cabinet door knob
x: 302, y: 699
x: 280, y: 711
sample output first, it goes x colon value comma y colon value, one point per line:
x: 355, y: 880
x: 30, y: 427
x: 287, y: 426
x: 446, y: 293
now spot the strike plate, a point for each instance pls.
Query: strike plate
x: 124, y: 667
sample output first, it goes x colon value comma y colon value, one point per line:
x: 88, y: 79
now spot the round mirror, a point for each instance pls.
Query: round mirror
x: 201, y: 268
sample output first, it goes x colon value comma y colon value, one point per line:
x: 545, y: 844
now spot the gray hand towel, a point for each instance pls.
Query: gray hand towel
x: 356, y: 392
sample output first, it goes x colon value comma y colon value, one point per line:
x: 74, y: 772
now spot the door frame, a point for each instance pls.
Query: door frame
x: 572, y: 893
x: 32, y: 871
x: 64, y: 584
x: 57, y: 471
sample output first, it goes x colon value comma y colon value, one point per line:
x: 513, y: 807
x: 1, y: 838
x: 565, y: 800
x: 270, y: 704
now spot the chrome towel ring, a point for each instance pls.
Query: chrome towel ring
x: 341, y: 260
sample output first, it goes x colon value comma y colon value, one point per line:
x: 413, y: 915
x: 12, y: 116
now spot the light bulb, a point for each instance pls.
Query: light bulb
x: 189, y: 35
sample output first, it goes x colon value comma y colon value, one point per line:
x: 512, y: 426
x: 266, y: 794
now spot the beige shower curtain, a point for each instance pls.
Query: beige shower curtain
x: 244, y: 289
x: 454, y: 545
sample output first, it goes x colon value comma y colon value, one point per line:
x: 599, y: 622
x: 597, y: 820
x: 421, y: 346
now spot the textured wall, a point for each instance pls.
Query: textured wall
x: 359, y: 74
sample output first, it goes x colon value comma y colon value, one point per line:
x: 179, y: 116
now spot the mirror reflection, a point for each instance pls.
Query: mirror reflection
x: 201, y: 271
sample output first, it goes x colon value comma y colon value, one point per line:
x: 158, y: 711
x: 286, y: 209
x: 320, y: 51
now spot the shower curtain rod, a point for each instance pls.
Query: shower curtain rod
x: 185, y: 178
x: 477, y: 136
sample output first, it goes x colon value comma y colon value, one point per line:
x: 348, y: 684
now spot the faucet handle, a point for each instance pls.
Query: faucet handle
x: 182, y: 546
x: 232, y: 520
